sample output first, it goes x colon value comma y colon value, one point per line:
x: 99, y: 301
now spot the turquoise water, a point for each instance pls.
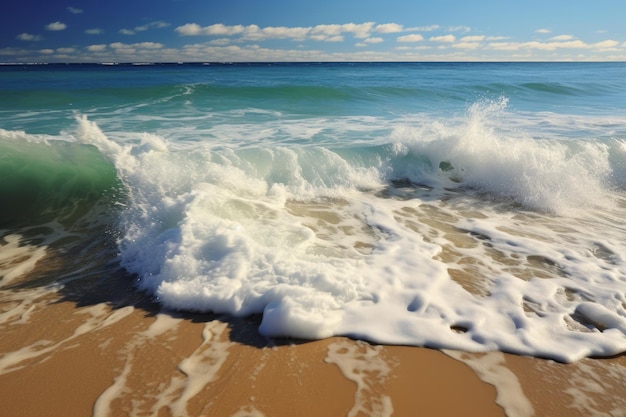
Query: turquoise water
x: 474, y: 206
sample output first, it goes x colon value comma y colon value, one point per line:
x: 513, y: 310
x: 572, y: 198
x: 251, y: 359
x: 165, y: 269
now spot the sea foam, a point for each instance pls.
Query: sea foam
x: 446, y: 235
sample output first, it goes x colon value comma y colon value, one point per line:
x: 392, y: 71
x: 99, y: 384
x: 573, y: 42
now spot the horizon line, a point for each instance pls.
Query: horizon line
x: 148, y: 63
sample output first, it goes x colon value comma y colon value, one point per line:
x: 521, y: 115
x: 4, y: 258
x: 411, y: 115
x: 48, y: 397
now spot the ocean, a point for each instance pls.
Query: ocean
x: 466, y: 206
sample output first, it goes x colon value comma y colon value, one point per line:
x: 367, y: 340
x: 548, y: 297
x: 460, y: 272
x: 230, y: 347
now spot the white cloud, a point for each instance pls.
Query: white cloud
x: 148, y: 45
x: 74, y: 10
x: 189, y: 29
x: 220, y: 41
x: 119, y: 45
x: 561, y: 38
x: 543, y: 31
x: 550, y: 46
x: 159, y: 24
x: 326, y: 33
x: 218, y: 29
x: 140, y: 45
x: 360, y: 31
x: 423, y: 28
x: 459, y: 29
x: 56, y: 26
x: 463, y: 50
x: 254, y: 32
x: 200, y: 52
x: 121, y: 48
x: 327, y: 30
x: 232, y: 43
x: 410, y: 38
x: 223, y: 30
x: 336, y: 38
x: 505, y: 46
x: 14, y: 51
x: 476, y: 38
x: 28, y: 37
x: 370, y: 41
x: 543, y: 46
x: 96, y: 48
x: 443, y: 39
x: 389, y: 28
x: 233, y: 53
x: 608, y: 44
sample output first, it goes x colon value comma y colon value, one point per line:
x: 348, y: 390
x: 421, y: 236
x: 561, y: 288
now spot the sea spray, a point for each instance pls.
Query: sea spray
x: 559, y: 176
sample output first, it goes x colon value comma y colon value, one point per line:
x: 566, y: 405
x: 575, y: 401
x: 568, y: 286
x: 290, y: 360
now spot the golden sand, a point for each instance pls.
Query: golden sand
x: 65, y: 360
x: 96, y: 348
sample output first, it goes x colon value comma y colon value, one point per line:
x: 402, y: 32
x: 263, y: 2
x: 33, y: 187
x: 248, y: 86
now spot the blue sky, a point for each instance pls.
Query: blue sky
x: 321, y: 30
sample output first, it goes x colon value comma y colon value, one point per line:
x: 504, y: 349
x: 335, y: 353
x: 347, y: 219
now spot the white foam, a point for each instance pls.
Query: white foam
x: 18, y: 259
x: 102, y: 406
x: 162, y: 324
x: 318, y: 241
x: 194, y: 372
x: 363, y: 364
x: 592, y: 388
x: 100, y: 316
x: 560, y: 176
x: 200, y: 368
x: 491, y: 369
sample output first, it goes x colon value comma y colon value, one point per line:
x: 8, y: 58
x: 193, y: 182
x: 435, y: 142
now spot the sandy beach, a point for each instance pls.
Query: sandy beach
x: 187, y: 240
x: 93, y: 349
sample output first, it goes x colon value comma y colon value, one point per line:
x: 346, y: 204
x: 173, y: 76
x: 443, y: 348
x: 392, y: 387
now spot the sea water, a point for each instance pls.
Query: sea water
x: 469, y: 206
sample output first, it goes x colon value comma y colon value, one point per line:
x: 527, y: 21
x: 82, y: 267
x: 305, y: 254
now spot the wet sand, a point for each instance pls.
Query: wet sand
x: 97, y: 360
x: 94, y: 347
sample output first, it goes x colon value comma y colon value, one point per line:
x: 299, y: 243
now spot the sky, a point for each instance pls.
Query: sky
x: 313, y: 30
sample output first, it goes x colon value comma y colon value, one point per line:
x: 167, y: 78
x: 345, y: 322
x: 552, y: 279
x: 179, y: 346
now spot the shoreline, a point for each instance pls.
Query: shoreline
x: 88, y: 345
x: 126, y: 363
x: 64, y: 359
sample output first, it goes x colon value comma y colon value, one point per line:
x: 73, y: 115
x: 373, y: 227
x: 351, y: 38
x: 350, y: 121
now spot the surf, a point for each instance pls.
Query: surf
x: 443, y: 205
x: 442, y: 235
x: 49, y: 180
